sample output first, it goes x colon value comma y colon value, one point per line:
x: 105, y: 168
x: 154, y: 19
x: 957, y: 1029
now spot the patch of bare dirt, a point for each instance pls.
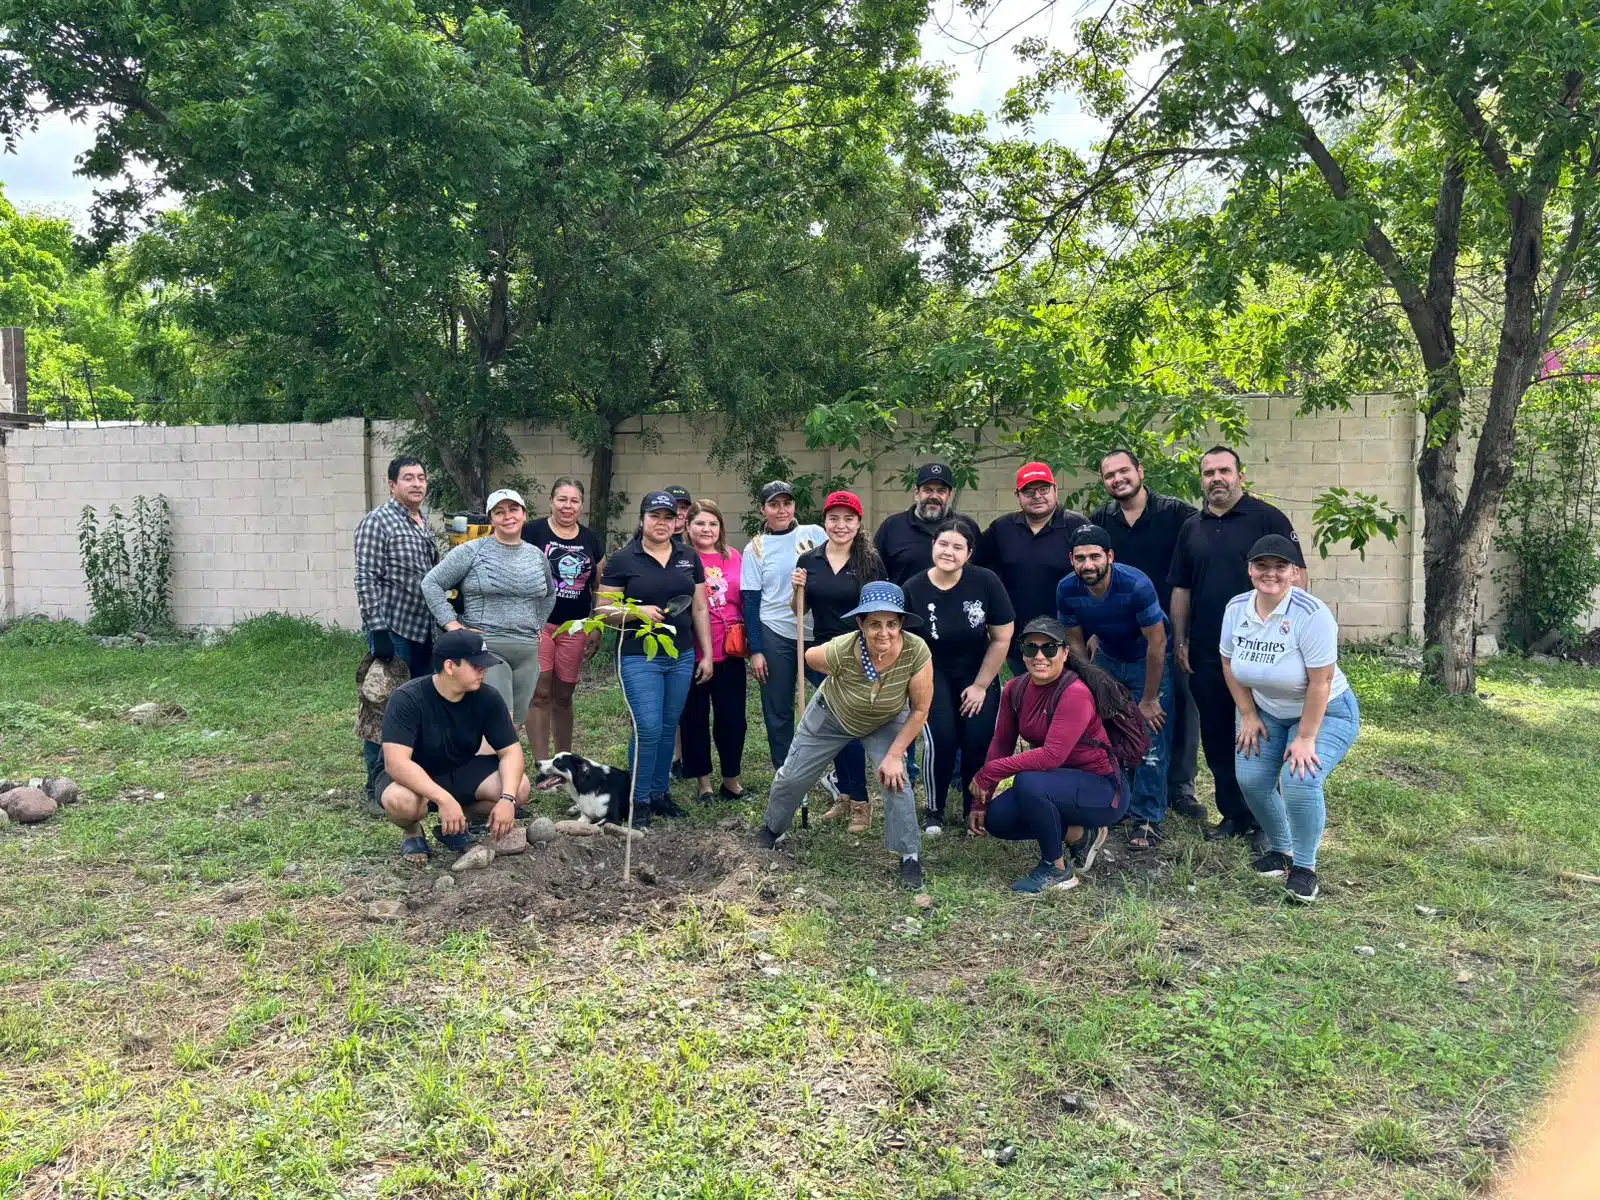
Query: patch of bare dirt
x: 1412, y: 775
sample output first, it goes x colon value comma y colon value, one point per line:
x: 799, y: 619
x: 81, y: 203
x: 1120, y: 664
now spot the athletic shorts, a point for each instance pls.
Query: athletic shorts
x: 461, y: 782
x: 562, y: 653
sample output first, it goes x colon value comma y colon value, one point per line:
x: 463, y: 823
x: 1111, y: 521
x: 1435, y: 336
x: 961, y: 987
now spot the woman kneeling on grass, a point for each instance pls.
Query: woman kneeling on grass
x: 1298, y: 717
x: 879, y: 688
x: 1067, y: 791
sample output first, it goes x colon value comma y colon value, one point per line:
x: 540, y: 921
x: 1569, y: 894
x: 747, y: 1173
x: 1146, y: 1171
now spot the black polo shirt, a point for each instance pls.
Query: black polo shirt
x: 1030, y: 564
x: 905, y: 543
x: 1210, y: 561
x: 639, y: 576
x: 829, y: 594
x: 1150, y: 542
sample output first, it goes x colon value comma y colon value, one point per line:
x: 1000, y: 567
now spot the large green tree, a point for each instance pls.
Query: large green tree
x: 466, y: 214
x: 1444, y: 151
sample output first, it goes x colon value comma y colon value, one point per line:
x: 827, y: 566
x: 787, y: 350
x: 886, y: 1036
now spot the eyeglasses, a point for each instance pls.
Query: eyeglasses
x: 1034, y: 649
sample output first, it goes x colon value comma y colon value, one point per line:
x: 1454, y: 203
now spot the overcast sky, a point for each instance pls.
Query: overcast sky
x: 40, y: 174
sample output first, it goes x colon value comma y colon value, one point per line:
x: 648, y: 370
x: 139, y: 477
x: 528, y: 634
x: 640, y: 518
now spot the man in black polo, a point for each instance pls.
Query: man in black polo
x: 1143, y: 526
x: 1031, y: 550
x: 905, y: 539
x: 1209, y: 568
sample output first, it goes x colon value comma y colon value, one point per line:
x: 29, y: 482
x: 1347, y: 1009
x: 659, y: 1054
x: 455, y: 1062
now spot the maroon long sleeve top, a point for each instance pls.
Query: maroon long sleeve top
x: 1066, y: 740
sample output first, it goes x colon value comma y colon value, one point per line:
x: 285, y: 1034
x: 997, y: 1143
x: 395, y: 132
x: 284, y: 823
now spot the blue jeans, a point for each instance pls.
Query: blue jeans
x: 655, y: 690
x: 850, y: 764
x: 1150, y: 780
x: 1290, y: 808
x: 416, y: 655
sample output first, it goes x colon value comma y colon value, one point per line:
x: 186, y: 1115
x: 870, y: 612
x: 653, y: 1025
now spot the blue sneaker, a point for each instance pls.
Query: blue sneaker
x: 1046, y: 875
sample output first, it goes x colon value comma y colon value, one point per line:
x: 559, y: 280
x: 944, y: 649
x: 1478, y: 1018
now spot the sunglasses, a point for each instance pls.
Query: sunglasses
x: 1034, y: 649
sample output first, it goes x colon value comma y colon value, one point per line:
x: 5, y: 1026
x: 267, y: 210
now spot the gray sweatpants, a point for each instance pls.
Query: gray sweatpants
x: 817, y: 739
x: 516, y: 674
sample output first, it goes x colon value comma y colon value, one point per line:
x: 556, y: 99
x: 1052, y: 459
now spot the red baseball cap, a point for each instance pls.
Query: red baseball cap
x: 842, y: 500
x: 1035, y: 472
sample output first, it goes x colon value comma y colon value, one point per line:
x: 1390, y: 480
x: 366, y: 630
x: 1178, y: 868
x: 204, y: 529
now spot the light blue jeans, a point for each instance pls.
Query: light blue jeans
x: 1289, y: 808
x: 1149, y: 801
x: 655, y: 690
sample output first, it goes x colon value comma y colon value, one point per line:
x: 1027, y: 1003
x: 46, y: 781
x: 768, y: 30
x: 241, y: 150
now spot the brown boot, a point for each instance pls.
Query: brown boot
x: 860, y: 816
x: 839, y: 811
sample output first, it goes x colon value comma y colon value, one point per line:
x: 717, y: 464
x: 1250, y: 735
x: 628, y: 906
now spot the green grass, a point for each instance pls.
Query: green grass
x: 1176, y: 1031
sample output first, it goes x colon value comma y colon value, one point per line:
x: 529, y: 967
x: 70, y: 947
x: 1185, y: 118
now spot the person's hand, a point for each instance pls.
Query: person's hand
x: 382, y: 645
x: 972, y: 698
x: 892, y: 772
x: 1302, y: 757
x: 1181, y: 653
x: 452, y: 626
x: 502, y: 818
x: 703, y: 667
x: 758, y: 667
x: 977, y: 822
x: 1150, y: 706
x: 799, y: 577
x: 592, y: 646
x: 451, y: 818
x: 1251, y: 731
x: 653, y: 612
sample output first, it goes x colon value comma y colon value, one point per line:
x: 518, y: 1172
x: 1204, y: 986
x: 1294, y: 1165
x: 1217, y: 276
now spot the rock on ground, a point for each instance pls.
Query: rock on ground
x: 28, y: 805
x: 61, y: 789
x: 577, y: 828
x: 542, y: 829
x: 475, y: 858
x: 151, y: 713
x: 385, y: 910
x: 514, y: 842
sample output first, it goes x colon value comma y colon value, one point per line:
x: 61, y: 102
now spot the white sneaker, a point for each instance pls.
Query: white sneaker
x: 933, y: 831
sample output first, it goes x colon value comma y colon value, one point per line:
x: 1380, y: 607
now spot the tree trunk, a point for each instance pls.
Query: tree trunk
x: 601, y: 471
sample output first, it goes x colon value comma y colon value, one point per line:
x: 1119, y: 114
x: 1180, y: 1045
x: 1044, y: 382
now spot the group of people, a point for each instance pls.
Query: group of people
x: 1135, y: 638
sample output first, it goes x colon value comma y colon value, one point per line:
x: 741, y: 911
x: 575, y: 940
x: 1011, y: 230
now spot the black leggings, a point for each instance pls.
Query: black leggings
x: 725, y: 694
x: 1040, y: 805
x: 951, y: 732
x: 1217, y: 731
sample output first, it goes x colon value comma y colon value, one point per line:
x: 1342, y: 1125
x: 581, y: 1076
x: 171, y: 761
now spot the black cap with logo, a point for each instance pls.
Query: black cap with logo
x: 936, y: 472
x: 658, y: 502
x: 1275, y: 545
x: 778, y: 487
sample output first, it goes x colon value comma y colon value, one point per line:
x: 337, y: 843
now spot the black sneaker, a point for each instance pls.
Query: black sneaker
x: 665, y: 806
x: 1229, y: 827
x: 911, y: 873
x: 932, y: 823
x: 1302, y: 884
x: 1086, y: 847
x: 766, y: 839
x: 641, y: 815
x: 1274, y: 864
x: 1187, y: 806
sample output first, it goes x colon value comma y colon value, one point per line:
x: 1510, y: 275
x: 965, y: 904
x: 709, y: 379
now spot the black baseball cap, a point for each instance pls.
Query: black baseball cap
x: 936, y: 472
x: 1091, y: 535
x: 1048, y: 627
x: 462, y: 645
x: 778, y: 487
x: 1275, y: 545
x: 657, y: 501
x: 680, y: 494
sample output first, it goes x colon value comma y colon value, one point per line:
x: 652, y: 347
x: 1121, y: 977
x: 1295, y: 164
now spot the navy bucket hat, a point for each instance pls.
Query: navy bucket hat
x: 884, y: 597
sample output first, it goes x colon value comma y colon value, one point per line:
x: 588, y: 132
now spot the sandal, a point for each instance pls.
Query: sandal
x: 707, y: 796
x: 727, y: 793
x: 1144, y: 836
x: 414, y: 850
x: 456, y: 843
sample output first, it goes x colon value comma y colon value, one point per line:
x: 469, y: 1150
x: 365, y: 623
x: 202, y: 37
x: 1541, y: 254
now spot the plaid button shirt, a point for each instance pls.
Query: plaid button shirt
x: 393, y: 553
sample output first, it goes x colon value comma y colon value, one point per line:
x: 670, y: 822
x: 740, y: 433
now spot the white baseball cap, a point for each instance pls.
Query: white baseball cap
x: 505, y: 494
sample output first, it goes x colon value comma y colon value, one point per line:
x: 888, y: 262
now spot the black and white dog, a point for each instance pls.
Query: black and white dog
x: 599, y: 793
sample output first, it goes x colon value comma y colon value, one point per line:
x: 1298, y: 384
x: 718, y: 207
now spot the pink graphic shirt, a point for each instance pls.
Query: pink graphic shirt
x: 722, y: 596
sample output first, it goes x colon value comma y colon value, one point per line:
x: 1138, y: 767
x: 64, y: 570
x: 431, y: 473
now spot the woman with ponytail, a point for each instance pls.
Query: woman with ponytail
x: 1069, y: 789
x: 833, y: 575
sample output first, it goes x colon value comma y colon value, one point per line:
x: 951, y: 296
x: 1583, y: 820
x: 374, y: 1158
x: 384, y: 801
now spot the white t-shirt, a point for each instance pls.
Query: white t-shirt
x: 1270, y: 656
x: 772, y: 572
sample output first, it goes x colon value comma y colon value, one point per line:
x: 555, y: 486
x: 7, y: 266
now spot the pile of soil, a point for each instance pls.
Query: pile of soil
x: 579, y: 880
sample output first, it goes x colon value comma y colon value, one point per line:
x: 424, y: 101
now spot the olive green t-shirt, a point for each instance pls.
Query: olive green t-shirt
x: 849, y: 693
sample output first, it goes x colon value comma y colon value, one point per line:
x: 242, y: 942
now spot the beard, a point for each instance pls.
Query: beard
x: 1093, y: 576
x: 931, y: 510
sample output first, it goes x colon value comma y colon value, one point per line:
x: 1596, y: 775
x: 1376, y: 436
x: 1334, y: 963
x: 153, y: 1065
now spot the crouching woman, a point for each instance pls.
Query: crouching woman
x: 879, y: 688
x: 1067, y: 791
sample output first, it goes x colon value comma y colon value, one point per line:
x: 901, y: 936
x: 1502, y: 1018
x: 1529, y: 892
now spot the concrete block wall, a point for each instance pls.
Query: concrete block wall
x: 263, y: 516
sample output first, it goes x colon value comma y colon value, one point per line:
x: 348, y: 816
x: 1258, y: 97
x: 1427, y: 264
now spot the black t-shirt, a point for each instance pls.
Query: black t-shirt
x: 1150, y: 542
x: 444, y: 735
x: 572, y: 564
x: 955, y: 624
x: 1030, y: 564
x: 639, y: 576
x: 829, y: 595
x: 905, y: 542
x: 1210, y: 561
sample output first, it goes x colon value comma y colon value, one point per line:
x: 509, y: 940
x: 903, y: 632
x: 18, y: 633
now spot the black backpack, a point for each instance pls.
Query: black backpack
x: 1130, y: 736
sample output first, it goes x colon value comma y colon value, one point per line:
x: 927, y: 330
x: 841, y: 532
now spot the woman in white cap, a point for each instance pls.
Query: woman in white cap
x: 1298, y: 716
x: 878, y: 689
x: 507, y: 593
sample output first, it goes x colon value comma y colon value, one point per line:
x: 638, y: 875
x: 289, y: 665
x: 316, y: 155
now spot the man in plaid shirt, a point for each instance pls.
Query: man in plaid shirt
x: 394, y: 550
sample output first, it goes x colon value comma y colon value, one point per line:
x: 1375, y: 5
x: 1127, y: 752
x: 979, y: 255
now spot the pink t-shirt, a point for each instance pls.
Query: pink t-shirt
x: 722, y: 596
